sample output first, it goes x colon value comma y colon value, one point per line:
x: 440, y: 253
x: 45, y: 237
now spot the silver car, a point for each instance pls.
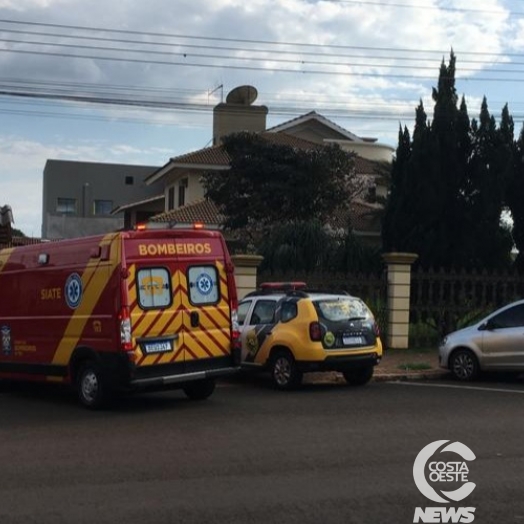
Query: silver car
x: 496, y: 343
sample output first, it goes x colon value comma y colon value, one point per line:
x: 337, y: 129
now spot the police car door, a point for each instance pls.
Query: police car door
x: 257, y: 327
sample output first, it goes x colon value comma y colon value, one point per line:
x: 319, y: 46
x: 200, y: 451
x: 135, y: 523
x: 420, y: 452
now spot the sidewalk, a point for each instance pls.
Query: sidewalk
x: 409, y: 364
x: 396, y: 364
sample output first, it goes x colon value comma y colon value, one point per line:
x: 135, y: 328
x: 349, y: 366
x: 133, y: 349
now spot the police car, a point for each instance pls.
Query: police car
x: 288, y: 331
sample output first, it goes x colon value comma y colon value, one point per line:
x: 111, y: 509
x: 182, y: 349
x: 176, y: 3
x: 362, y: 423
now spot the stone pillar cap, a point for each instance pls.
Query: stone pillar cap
x: 399, y: 258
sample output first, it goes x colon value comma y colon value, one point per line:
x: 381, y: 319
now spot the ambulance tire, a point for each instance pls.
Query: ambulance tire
x: 200, y: 389
x: 90, y: 386
x: 284, y: 371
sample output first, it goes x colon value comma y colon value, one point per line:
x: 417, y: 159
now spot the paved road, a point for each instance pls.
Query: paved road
x: 323, y: 455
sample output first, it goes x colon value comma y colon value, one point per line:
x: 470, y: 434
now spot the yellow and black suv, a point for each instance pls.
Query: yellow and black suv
x: 289, y: 330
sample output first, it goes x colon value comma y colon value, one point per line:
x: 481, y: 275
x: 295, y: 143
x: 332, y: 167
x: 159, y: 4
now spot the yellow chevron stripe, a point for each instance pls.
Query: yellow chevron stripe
x: 95, y: 283
x: 203, y: 341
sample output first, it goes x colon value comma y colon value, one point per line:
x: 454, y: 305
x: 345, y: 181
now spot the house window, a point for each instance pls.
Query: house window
x: 170, y: 198
x: 102, y: 207
x: 66, y: 206
x: 129, y: 180
x: 182, y: 186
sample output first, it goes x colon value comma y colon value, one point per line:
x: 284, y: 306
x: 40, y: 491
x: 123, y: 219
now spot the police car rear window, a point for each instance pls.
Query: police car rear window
x: 338, y: 310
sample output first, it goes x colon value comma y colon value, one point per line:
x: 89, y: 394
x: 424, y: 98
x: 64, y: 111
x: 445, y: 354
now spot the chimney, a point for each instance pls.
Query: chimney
x: 238, y: 114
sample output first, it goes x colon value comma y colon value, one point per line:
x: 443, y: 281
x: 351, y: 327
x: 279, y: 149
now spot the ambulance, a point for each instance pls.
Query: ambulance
x: 125, y: 311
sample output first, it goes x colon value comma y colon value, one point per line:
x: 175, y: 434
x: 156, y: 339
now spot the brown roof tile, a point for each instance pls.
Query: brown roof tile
x: 364, y: 217
x: 200, y: 211
x: 216, y: 155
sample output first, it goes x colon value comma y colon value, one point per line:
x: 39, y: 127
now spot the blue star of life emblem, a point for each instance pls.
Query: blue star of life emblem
x: 73, y: 290
x: 204, y: 284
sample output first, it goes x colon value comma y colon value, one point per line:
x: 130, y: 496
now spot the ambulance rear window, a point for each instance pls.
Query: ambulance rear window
x: 154, y: 287
x: 203, y: 285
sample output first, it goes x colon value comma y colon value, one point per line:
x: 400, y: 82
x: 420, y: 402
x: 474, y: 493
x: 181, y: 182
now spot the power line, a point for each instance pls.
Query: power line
x: 252, y: 68
x: 296, y: 61
x: 184, y: 45
x: 431, y: 7
x: 225, y: 39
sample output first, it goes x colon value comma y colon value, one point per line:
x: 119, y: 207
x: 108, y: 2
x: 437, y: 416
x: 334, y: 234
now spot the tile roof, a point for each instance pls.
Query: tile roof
x: 217, y: 156
x: 364, y: 217
x: 132, y: 205
x: 199, y: 211
x: 313, y: 115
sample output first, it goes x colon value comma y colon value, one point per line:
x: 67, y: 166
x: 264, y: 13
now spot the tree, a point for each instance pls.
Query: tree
x: 297, y: 246
x: 515, y: 197
x: 489, y: 243
x: 269, y: 184
x: 448, y: 184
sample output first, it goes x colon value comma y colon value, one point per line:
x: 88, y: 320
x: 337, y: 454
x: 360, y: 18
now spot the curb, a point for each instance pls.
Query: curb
x: 411, y: 376
x: 401, y: 376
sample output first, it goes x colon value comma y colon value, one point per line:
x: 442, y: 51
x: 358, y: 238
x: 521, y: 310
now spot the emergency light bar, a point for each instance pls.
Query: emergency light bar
x: 282, y: 286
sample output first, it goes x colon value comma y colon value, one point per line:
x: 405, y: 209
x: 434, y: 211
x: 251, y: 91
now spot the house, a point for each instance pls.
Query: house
x: 184, y: 199
x: 78, y: 197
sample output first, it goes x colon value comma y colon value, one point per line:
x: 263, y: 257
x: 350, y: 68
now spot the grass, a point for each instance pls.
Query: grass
x: 414, y: 359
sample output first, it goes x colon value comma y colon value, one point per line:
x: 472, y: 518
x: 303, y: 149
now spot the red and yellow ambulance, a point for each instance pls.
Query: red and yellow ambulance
x: 134, y: 310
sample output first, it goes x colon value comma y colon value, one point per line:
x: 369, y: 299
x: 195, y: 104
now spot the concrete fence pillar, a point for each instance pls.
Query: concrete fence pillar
x: 399, y: 286
x: 246, y: 273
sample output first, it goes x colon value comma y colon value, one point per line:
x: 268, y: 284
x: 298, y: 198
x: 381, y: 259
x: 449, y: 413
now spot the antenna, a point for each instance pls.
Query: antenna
x: 221, y: 87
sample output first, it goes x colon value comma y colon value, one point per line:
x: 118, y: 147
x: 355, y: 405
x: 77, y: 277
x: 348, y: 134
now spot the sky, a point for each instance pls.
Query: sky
x: 125, y: 81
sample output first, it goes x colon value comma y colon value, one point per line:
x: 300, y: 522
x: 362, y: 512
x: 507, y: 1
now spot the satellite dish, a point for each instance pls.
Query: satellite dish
x: 242, y: 95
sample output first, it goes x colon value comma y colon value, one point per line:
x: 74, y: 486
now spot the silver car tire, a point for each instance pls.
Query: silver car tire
x: 464, y: 365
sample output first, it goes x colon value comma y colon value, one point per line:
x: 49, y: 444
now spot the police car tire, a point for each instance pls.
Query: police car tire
x: 359, y: 376
x: 200, y: 390
x: 284, y: 371
x: 90, y: 385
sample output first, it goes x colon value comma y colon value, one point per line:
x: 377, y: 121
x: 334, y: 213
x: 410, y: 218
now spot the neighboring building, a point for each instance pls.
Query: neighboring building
x: 82, y: 198
x: 78, y: 197
x: 183, y: 191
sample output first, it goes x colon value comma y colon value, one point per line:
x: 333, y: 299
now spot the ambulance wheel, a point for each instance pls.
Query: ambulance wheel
x: 200, y: 390
x: 284, y: 371
x: 90, y: 385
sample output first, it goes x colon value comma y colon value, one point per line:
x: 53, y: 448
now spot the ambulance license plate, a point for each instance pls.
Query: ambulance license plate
x: 352, y: 341
x: 157, y: 347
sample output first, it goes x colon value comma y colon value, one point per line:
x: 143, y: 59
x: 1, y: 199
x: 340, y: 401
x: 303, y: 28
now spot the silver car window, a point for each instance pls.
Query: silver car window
x: 512, y: 317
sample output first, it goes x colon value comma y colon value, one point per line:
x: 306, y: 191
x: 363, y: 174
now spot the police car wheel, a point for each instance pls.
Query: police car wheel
x: 284, y: 371
x: 200, y: 390
x: 358, y: 377
x: 90, y: 387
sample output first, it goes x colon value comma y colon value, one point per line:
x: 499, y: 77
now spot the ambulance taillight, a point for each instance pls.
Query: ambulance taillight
x: 126, y: 337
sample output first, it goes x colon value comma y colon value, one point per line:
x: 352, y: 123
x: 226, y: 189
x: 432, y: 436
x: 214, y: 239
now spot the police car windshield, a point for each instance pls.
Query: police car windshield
x: 339, y: 309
